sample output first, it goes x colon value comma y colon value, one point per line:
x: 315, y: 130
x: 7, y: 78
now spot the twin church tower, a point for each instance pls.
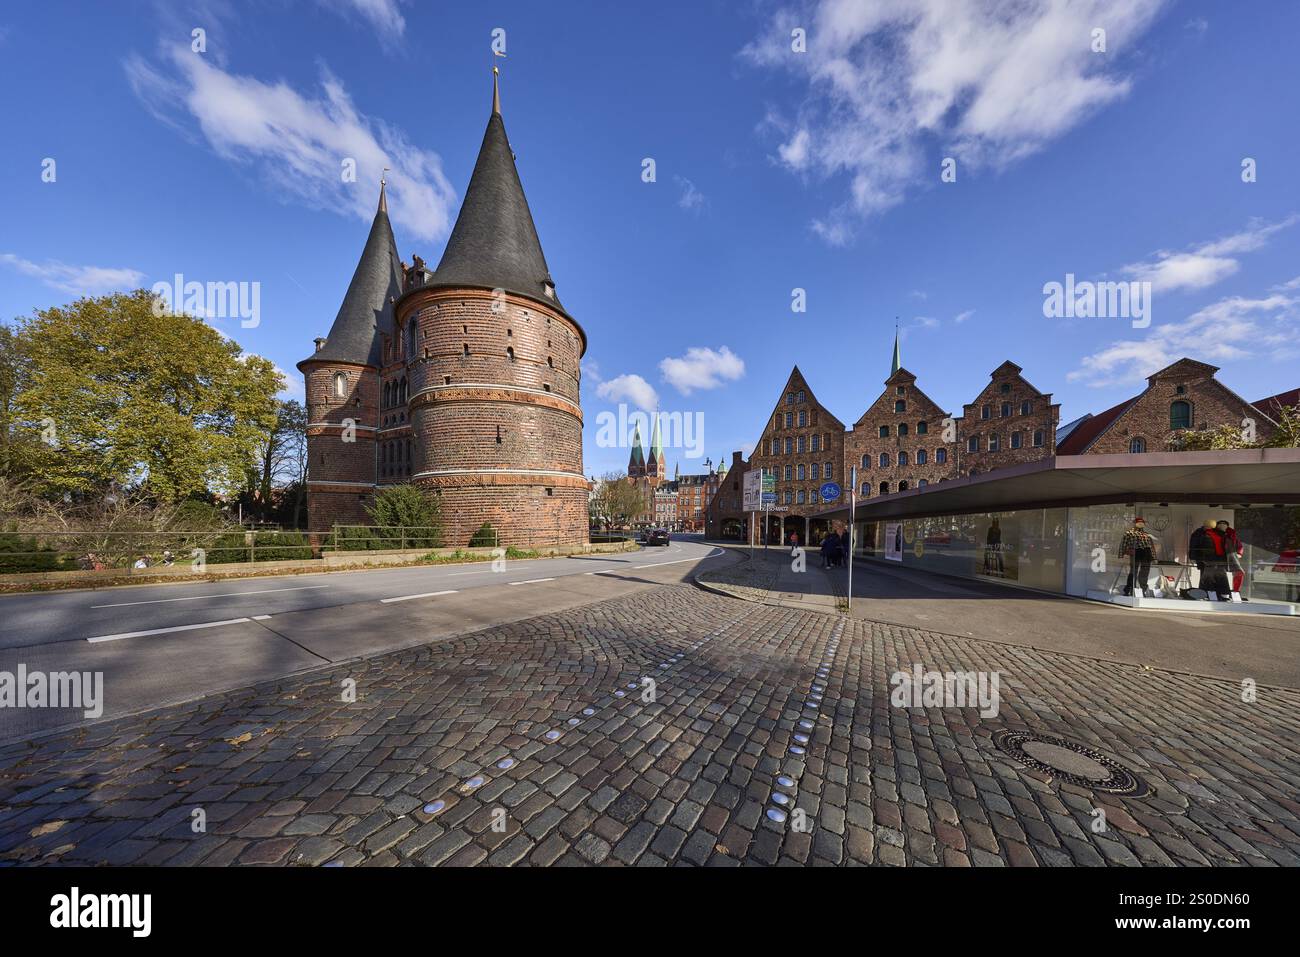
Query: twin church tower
x: 462, y: 379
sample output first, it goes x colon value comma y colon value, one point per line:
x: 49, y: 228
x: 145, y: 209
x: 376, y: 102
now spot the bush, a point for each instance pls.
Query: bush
x: 20, y: 554
x: 485, y: 537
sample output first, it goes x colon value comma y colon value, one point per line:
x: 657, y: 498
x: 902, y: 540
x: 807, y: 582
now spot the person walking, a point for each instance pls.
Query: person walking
x: 1139, y: 547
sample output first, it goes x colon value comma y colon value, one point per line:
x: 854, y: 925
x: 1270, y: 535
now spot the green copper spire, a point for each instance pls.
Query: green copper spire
x: 657, y: 444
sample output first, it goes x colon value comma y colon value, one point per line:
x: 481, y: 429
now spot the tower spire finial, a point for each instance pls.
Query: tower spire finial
x: 383, y: 195
x: 496, y: 86
x: 898, y: 359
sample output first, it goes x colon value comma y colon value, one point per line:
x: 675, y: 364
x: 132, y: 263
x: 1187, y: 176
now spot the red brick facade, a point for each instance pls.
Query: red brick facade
x: 1182, y: 396
x: 898, y: 442
x: 802, y: 446
x: 1009, y: 423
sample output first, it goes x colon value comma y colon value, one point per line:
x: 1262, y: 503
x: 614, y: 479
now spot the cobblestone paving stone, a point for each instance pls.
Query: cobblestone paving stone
x: 288, y: 773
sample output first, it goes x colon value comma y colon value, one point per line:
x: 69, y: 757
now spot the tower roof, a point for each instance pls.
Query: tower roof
x: 657, y: 443
x: 367, y: 308
x: 898, y: 359
x: 494, y: 243
x: 638, y: 455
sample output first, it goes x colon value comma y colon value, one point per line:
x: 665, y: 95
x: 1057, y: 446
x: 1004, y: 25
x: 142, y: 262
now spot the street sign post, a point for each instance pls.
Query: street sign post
x: 853, y: 508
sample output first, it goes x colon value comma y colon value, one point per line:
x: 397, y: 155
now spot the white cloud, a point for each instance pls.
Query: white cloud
x: 629, y: 387
x: 294, y: 387
x: 384, y: 15
x: 1230, y: 329
x: 963, y: 316
x: 702, y: 368
x: 298, y: 141
x: 75, y: 280
x: 896, y: 84
x: 1205, y: 264
x: 691, y: 199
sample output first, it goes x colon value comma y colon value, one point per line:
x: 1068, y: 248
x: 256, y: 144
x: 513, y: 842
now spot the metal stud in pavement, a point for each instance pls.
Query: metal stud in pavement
x: 776, y: 814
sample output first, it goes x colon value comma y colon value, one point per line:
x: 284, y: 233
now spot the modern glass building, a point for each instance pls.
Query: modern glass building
x: 1057, y: 525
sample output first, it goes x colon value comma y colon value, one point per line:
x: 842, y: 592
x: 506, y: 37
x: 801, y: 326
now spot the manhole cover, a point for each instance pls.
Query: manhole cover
x: 1070, y: 762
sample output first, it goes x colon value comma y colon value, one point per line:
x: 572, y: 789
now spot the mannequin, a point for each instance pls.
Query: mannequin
x: 1140, y: 547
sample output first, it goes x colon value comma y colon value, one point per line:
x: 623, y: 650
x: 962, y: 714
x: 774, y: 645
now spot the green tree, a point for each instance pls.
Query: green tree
x: 142, y: 398
x: 281, y: 459
x: 1287, y: 435
x: 399, y: 508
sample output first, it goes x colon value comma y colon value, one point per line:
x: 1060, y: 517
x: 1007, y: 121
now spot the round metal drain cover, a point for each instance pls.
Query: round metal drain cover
x: 1070, y: 762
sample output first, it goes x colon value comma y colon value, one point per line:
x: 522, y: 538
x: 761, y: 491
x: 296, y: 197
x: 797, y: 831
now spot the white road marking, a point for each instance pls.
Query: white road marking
x: 229, y: 594
x: 164, y: 631
x: 428, y: 594
x: 531, y: 581
x: 261, y: 617
x: 676, y: 562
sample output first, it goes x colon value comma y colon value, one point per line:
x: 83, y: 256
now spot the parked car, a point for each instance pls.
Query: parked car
x: 658, y: 536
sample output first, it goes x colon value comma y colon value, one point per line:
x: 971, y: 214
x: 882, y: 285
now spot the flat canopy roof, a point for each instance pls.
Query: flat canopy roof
x: 1223, y: 477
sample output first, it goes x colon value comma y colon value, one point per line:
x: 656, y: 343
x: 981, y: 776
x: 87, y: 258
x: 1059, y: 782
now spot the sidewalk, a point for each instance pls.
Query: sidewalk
x: 769, y: 578
x: 1263, y: 649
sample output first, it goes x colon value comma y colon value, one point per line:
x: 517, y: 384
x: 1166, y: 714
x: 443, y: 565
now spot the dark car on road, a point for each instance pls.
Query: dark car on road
x: 658, y: 536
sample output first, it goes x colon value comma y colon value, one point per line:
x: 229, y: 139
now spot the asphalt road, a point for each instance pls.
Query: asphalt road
x: 160, y: 644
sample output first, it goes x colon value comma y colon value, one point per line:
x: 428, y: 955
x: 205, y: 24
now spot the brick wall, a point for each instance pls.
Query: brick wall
x: 807, y: 419
x: 1007, y: 408
x: 341, y: 435
x: 1149, y: 417
x: 915, y: 432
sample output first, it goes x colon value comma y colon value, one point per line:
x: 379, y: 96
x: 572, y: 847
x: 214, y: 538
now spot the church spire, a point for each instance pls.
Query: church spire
x: 366, y: 314
x: 494, y: 243
x: 496, y: 90
x: 636, y: 461
x: 898, y: 359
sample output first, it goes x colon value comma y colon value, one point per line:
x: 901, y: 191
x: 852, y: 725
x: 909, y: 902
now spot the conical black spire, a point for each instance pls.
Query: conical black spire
x: 367, y: 309
x: 494, y: 243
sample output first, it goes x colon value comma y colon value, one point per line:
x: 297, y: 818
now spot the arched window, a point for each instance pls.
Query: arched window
x: 884, y: 431
x: 341, y: 385
x: 388, y: 394
x: 1016, y: 440
x: 973, y: 444
x: 940, y: 456
x: 902, y: 428
x: 403, y: 399
x: 995, y: 443
x: 902, y: 458
x: 884, y: 488
x: 1180, y: 415
x: 902, y: 486
x: 803, y: 418
x: 884, y: 460
x: 412, y: 338
x: 922, y: 428
x: 985, y: 412
x: 1138, y: 444
x: 922, y: 484
x: 900, y: 406
x: 1038, y: 438
x: 921, y: 456
x: 866, y: 489
x: 866, y: 460
x: 1006, y: 410
x: 1026, y: 407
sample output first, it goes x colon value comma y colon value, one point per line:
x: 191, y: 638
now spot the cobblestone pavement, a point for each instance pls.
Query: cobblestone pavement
x: 289, y: 773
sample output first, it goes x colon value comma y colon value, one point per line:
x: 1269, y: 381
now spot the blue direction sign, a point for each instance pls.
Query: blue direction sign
x: 830, y: 491
x: 769, y: 496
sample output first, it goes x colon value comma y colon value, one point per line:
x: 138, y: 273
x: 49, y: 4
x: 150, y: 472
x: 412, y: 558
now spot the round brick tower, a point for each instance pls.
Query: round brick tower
x: 492, y: 362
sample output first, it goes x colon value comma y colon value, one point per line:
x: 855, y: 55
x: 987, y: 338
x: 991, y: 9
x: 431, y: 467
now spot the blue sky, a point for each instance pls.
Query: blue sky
x: 775, y: 170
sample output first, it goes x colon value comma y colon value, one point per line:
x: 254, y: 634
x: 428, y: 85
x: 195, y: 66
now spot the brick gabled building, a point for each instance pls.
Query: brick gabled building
x: 1008, y: 423
x: 463, y: 379
x: 1181, y: 396
x: 898, y: 442
x: 802, y: 446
